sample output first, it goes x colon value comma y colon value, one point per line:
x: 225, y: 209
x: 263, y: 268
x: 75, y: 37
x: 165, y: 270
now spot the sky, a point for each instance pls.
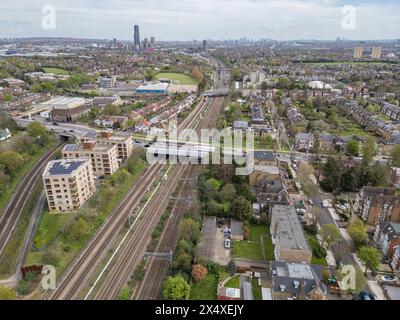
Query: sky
x: 203, y: 19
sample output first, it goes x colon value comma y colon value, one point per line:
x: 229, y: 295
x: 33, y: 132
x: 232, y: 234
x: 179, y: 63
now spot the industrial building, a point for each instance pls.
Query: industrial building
x: 103, y: 157
x: 124, y: 143
x: 108, y: 82
x: 288, y: 236
x: 66, y: 109
x: 158, y: 87
x: 68, y: 184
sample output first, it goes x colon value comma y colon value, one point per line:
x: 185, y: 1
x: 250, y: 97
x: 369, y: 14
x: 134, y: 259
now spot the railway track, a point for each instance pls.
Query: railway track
x: 157, y: 269
x: 13, y: 211
x: 135, y: 247
x: 81, y: 268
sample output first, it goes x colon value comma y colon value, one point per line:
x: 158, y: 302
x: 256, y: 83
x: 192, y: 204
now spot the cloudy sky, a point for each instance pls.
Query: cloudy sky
x: 203, y: 19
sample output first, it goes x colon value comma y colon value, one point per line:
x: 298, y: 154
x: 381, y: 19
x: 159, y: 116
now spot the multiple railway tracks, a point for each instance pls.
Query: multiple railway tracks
x: 131, y: 250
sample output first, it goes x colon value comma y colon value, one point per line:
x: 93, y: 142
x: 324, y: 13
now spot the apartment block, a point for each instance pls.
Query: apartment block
x: 358, y: 52
x: 103, y: 157
x: 288, y: 236
x: 378, y: 205
x: 69, y: 183
x: 124, y: 143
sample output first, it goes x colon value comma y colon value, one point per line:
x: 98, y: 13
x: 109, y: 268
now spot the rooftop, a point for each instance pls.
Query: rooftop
x: 264, y: 155
x: 289, y: 230
x: 63, y: 167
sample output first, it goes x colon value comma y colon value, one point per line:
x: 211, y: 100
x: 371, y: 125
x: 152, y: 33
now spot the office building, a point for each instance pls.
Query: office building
x: 103, y: 157
x: 152, y: 41
x: 136, y: 37
x: 124, y: 143
x: 358, y: 52
x: 68, y: 184
x: 376, y: 53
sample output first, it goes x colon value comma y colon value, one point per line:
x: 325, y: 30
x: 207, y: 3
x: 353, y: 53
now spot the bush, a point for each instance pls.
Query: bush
x: 199, y: 272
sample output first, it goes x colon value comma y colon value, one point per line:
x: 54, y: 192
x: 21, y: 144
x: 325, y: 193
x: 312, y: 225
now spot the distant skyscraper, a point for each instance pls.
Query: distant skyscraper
x: 204, y: 45
x: 358, y: 52
x: 376, y: 53
x: 152, y: 41
x: 136, y: 37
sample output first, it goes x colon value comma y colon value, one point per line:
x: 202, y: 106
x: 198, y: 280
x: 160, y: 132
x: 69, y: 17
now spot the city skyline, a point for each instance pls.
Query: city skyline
x: 195, y: 19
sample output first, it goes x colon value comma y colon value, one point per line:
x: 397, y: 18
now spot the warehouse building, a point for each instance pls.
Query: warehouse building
x: 103, y: 157
x: 66, y: 109
x: 69, y: 183
x: 124, y: 143
x: 158, y: 88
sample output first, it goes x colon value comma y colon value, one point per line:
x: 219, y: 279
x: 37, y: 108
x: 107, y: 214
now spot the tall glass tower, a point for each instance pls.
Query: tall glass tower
x: 136, y: 37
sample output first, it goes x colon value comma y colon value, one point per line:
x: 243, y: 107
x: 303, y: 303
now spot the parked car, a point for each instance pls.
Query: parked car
x: 364, y: 295
x: 389, y: 278
x: 227, y: 243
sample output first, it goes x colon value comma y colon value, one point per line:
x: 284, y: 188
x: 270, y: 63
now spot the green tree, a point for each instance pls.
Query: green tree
x: 78, y: 230
x: 357, y: 231
x: 236, y: 74
x: 353, y: 148
x: 369, y: 150
x: 11, y: 162
x: 330, y: 234
x: 7, y: 293
x: 395, y: 156
x: 371, y: 258
x: 183, y: 262
x: 190, y: 230
x: 241, y: 208
x: 228, y: 193
x: 332, y: 175
x: 176, y: 288
x: 37, y: 131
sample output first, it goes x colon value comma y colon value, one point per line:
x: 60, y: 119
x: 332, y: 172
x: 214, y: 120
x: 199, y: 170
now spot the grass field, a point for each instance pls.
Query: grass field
x: 256, y: 289
x: 182, y: 78
x: 247, y: 250
x: 55, y: 71
x: 234, y: 282
x: 205, y: 289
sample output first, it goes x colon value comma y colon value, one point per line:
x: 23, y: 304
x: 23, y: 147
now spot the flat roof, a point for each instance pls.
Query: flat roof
x: 80, y: 147
x: 64, y: 102
x: 63, y: 167
x: 290, y: 232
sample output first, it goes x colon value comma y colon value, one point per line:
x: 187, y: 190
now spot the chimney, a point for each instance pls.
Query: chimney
x: 105, y: 134
x: 88, y: 145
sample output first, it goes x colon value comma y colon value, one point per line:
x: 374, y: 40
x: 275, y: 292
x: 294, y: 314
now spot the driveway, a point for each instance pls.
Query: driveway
x: 222, y: 255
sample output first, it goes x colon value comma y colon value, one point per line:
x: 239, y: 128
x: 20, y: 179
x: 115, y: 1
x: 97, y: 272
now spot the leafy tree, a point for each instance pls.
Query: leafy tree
x: 330, y: 234
x: 357, y: 231
x: 236, y: 74
x: 241, y: 208
x: 199, y: 272
x: 183, y: 262
x: 395, y: 156
x: 190, y: 230
x: 7, y: 293
x: 184, y: 246
x: 11, y: 162
x: 332, y: 175
x: 349, y: 180
x: 227, y: 193
x: 353, y: 148
x: 369, y: 150
x: 37, y: 131
x: 176, y: 288
x: 371, y: 258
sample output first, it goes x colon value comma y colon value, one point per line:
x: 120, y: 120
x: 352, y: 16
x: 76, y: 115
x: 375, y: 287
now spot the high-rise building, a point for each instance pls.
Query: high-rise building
x: 204, y: 45
x: 376, y: 53
x: 358, y: 52
x: 136, y: 37
x: 152, y: 41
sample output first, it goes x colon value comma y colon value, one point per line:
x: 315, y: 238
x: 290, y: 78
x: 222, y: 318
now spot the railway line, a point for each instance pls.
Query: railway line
x: 82, y: 267
x: 157, y: 269
x: 135, y: 247
x: 13, y: 211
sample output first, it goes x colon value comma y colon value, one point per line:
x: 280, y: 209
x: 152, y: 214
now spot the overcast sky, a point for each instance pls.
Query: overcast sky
x: 202, y: 19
